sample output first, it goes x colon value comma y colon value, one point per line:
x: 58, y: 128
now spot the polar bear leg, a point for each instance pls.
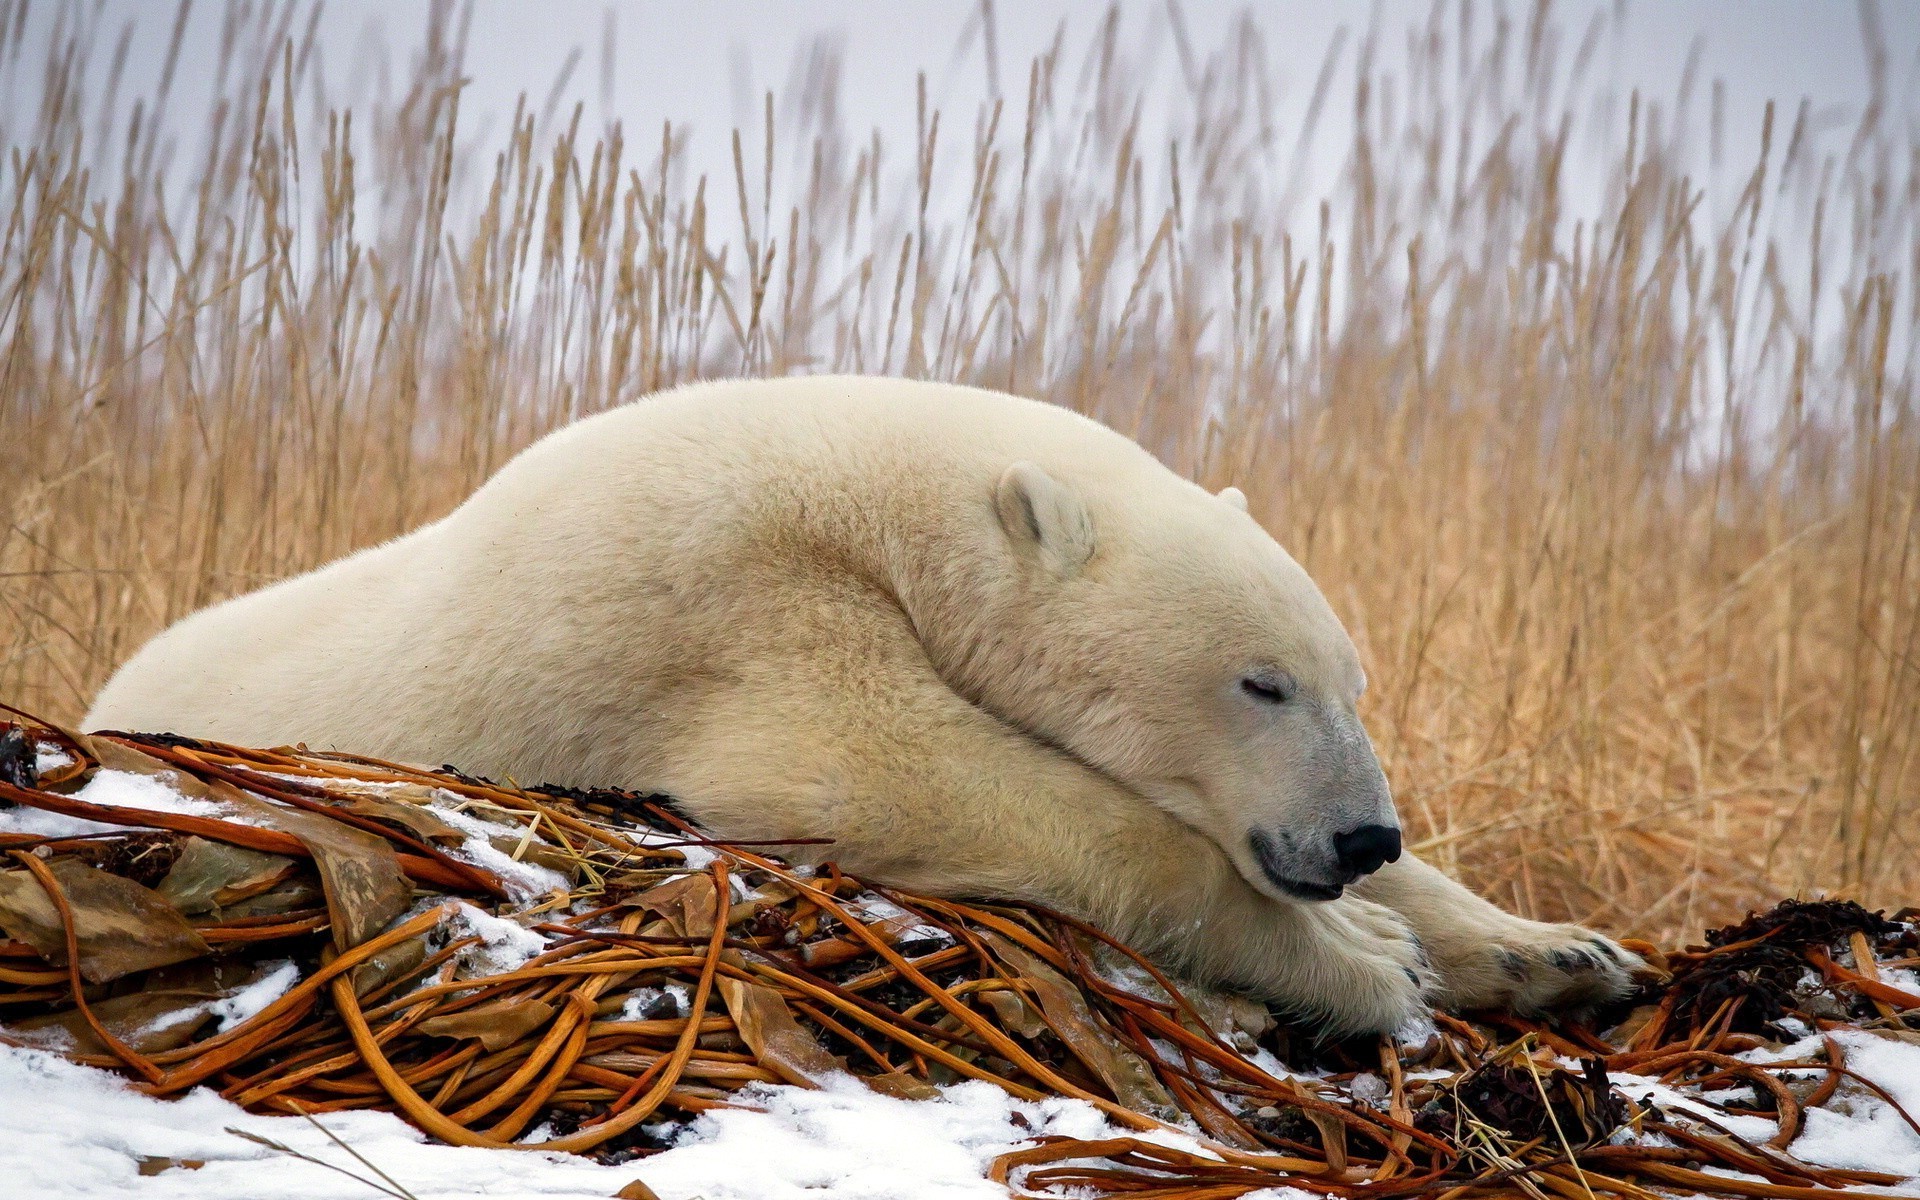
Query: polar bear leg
x: 864, y: 743
x: 1485, y: 957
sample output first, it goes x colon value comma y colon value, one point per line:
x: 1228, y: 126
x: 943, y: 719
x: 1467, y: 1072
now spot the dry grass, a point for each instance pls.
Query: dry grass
x: 1621, y: 507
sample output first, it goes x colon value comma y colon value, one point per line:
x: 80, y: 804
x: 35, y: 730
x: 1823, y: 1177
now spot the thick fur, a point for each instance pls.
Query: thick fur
x: 989, y: 647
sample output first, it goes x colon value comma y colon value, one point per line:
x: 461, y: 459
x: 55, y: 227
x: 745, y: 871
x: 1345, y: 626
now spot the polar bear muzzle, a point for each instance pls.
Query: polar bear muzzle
x: 1357, y: 853
x: 1339, y: 824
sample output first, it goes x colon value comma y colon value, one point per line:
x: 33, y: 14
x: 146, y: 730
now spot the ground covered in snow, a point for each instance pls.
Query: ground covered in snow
x: 77, y: 1131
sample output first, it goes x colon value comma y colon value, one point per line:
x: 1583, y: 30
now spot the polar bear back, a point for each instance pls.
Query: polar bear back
x: 697, y: 516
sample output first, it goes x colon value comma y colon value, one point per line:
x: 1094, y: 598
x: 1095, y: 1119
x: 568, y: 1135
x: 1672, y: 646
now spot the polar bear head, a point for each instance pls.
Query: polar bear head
x: 1165, y: 639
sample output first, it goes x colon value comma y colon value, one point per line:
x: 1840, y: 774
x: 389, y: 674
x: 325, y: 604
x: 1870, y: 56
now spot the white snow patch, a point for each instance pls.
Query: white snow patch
x: 74, y: 1131
x: 1793, y: 1026
x: 1856, y: 1129
x: 348, y: 785
x: 49, y: 758
x: 874, y: 909
x: 525, y: 880
x: 698, y: 858
x: 1642, y: 1090
x: 1809, y: 1044
x: 1129, y: 976
x: 640, y: 999
x: 243, y: 1004
x: 179, y: 1016
x: 1859, y: 1130
x: 504, y: 945
x: 112, y: 789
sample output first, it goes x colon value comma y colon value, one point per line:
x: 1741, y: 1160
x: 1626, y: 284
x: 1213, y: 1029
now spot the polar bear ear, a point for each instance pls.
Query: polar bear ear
x: 1044, y: 517
x: 1235, y: 497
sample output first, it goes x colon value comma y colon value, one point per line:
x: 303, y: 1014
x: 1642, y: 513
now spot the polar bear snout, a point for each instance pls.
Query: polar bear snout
x: 1365, y: 850
x: 1333, y: 821
x: 1313, y: 873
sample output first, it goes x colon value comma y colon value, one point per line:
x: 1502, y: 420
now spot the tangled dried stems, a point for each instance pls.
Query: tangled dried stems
x: 134, y: 934
x: 795, y: 976
x: 1620, y: 504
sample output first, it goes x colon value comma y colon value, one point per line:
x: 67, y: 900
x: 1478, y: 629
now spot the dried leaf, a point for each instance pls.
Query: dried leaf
x: 210, y: 874
x: 1065, y: 1008
x: 768, y: 1028
x: 121, y: 927
x: 359, y: 872
x: 150, y: 1021
x: 1235, y: 1019
x: 1015, y: 1013
x: 1333, y: 1137
x: 416, y: 819
x: 361, y: 875
x: 636, y: 1191
x: 535, y: 851
x: 394, y: 963
x: 116, y: 756
x: 497, y: 1026
x: 687, y: 902
x: 171, y: 1008
x: 902, y: 1086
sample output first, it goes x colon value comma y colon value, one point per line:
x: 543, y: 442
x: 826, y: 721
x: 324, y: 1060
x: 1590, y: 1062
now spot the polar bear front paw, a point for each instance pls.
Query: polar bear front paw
x: 1375, y: 976
x: 1532, y: 968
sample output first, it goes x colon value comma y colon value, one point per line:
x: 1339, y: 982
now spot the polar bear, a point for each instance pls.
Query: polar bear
x: 988, y: 646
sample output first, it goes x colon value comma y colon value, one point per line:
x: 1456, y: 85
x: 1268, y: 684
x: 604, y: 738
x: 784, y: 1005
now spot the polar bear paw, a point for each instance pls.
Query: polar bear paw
x: 1377, y: 975
x: 1533, y: 968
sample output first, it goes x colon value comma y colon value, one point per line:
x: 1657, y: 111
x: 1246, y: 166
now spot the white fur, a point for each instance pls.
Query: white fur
x: 988, y: 646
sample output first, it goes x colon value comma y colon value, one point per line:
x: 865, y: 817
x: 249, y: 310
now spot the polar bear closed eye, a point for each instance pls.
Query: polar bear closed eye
x: 989, y: 647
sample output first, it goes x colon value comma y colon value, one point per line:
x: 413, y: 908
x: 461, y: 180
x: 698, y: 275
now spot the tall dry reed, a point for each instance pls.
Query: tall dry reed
x: 1620, y: 504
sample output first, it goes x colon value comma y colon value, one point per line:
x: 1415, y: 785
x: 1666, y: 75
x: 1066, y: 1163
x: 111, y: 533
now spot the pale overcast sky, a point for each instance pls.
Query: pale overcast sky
x: 705, y: 63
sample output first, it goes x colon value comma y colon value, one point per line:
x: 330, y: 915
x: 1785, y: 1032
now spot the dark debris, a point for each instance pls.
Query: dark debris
x: 1765, y: 981
x: 17, y: 754
x: 1582, y: 1108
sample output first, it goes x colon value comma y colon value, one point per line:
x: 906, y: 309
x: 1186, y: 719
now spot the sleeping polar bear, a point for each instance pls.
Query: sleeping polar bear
x: 989, y: 647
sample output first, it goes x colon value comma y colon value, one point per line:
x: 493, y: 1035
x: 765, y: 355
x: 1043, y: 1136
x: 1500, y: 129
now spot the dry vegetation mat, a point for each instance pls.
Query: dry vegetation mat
x: 581, y: 970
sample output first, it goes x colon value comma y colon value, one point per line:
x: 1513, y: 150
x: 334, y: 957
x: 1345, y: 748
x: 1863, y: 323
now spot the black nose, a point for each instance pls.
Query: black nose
x: 1365, y: 850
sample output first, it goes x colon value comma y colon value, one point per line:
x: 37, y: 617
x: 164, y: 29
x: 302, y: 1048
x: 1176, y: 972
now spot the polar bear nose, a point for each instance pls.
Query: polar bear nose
x: 1365, y: 850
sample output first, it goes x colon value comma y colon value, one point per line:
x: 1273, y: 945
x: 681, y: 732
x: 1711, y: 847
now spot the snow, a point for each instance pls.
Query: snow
x: 504, y: 945
x: 698, y: 858
x: 874, y: 909
x: 1855, y: 1130
x: 238, y: 1008
x: 1643, y: 1090
x: 49, y: 758
x: 1869, y: 1135
x: 524, y: 880
x: 642, y: 999
x: 75, y: 1131
x: 113, y: 789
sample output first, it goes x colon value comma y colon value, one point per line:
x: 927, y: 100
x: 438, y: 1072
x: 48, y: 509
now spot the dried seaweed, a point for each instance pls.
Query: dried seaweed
x: 671, y: 972
x: 120, y: 927
x: 1752, y: 974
